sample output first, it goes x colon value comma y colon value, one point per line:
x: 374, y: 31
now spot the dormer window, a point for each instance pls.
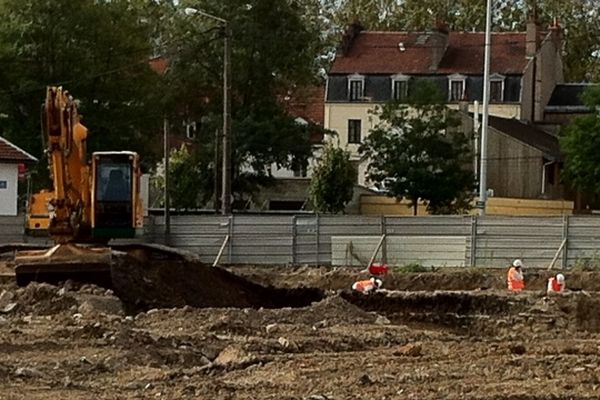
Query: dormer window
x: 356, y: 85
x: 497, y: 88
x: 400, y: 87
x: 456, y: 87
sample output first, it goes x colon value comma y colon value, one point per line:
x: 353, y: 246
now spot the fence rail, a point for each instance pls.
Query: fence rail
x: 490, y: 241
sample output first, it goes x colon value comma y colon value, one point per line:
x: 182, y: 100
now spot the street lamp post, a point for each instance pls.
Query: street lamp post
x: 486, y: 102
x: 226, y: 168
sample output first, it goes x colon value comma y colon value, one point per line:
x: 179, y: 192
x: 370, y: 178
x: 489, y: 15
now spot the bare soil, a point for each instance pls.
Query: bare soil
x: 436, y: 335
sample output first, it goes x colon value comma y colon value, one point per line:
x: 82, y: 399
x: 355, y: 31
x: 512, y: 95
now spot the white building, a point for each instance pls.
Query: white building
x: 11, y: 157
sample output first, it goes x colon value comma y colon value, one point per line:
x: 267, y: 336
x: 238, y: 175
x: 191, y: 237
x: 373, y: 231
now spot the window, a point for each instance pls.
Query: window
x: 400, y: 89
x: 356, y: 90
x: 114, y: 182
x: 354, y: 130
x: 456, y: 87
x: 496, y: 91
x: 3, y: 184
x: 356, y: 87
x: 190, y: 130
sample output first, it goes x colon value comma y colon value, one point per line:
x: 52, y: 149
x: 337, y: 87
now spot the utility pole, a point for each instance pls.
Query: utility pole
x: 216, y: 181
x: 486, y: 102
x: 167, y: 210
x: 226, y: 170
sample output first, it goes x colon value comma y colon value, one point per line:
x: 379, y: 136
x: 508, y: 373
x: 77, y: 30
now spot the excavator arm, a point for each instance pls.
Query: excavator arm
x: 67, y: 155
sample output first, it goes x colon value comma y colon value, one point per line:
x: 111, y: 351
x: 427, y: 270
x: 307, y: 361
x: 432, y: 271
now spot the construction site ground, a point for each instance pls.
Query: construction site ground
x: 435, y: 335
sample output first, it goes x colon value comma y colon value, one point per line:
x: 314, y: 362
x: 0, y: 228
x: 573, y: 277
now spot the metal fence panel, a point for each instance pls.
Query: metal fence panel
x: 491, y: 241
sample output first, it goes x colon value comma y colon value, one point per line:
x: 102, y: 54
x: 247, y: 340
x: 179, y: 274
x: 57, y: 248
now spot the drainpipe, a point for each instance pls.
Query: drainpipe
x: 544, y: 175
x: 476, y: 139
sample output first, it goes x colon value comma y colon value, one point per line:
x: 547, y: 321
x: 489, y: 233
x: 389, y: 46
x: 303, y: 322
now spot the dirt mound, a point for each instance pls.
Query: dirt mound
x: 44, y: 299
x: 178, y: 283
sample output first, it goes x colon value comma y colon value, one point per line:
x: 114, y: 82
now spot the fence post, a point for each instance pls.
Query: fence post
x: 294, y: 240
x: 384, y: 245
x: 230, y: 233
x: 565, y: 236
x: 473, y: 241
x: 317, y: 234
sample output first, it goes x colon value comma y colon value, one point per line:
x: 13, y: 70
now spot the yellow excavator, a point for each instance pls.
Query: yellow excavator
x: 90, y: 203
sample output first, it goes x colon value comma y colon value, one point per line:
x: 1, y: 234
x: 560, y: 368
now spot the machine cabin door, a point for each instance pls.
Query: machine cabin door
x: 113, y: 195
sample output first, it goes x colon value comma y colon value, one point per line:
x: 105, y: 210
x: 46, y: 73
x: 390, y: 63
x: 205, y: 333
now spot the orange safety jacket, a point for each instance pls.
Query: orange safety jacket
x: 365, y: 286
x: 515, y: 280
x: 555, y: 286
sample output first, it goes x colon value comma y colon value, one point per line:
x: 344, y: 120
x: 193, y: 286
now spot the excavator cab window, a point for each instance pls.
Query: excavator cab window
x: 113, y: 195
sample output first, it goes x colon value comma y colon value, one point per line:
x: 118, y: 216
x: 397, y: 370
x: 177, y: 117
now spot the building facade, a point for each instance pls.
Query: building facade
x: 372, y: 68
x: 12, y: 159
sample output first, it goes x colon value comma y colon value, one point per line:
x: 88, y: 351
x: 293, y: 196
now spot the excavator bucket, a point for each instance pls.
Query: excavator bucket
x: 64, y: 261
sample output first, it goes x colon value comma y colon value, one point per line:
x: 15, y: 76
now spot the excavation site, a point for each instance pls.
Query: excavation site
x: 181, y: 329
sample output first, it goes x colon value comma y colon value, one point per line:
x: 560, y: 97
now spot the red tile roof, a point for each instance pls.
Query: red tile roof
x: 13, y: 154
x: 380, y: 53
x: 307, y: 103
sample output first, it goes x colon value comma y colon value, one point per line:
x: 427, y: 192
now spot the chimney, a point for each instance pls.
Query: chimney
x: 557, y: 34
x: 532, y: 36
x: 438, y: 41
x: 349, y: 35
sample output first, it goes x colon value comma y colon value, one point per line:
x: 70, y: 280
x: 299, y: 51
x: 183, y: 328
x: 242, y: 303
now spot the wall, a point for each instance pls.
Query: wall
x: 489, y: 241
x: 514, y: 168
x: 8, y: 197
x: 338, y: 114
x: 383, y: 205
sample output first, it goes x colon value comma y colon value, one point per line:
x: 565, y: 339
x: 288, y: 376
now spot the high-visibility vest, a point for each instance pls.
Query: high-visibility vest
x: 554, y: 286
x: 364, y: 286
x: 515, y: 280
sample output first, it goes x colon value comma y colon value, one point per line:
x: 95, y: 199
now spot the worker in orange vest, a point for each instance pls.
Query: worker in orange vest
x: 367, y: 286
x: 515, y: 277
x: 556, y: 284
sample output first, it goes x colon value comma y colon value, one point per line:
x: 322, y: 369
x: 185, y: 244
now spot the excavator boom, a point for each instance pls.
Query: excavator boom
x: 90, y: 202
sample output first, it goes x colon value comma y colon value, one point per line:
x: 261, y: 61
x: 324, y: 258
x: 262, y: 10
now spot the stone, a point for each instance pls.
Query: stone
x: 283, y: 342
x: 6, y: 297
x: 271, y: 328
x: 9, y: 307
x: 410, y: 349
x: 95, y: 305
x: 28, y: 373
x: 152, y: 311
x: 381, y: 320
x: 232, y: 356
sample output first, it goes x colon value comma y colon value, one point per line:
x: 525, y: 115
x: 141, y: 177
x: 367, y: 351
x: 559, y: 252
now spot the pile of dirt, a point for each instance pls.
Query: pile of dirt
x: 164, y: 284
x: 41, y: 299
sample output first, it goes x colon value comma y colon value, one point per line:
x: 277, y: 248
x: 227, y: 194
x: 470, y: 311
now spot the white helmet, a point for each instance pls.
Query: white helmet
x: 517, y: 263
x: 377, y: 282
x: 560, y: 278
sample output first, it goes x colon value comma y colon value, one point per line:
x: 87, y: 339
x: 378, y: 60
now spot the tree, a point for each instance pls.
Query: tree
x: 333, y: 179
x: 274, y: 49
x: 99, y: 51
x: 417, y: 152
x: 580, y: 141
x: 190, y: 180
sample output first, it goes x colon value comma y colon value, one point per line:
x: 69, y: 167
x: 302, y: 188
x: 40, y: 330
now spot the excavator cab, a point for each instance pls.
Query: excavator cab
x: 115, y: 195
